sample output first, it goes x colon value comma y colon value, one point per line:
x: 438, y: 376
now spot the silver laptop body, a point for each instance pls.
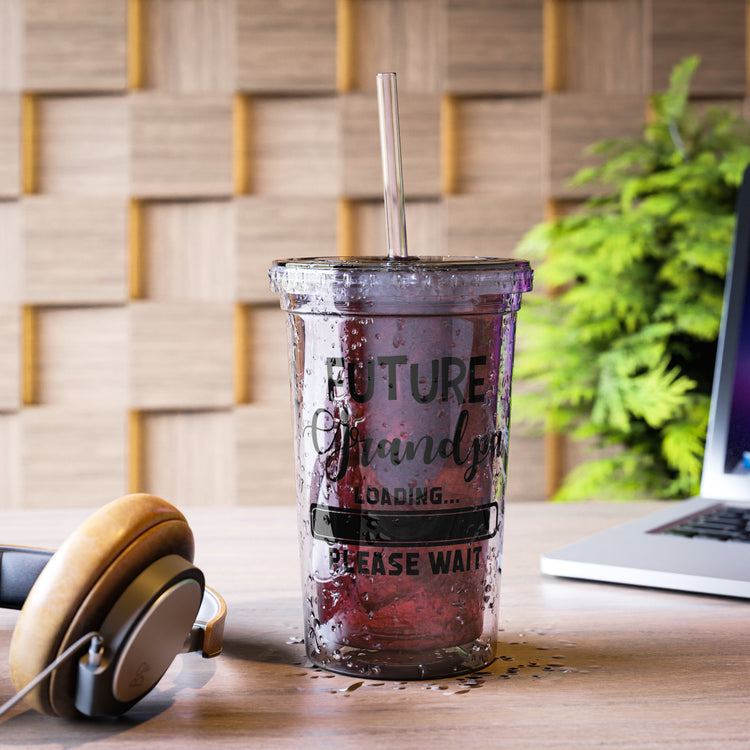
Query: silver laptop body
x: 644, y: 552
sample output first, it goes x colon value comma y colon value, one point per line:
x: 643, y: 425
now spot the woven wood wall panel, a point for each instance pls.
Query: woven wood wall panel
x: 82, y: 357
x: 601, y: 47
x: 577, y: 120
x: 11, y: 256
x: 360, y: 145
x: 294, y: 146
x: 10, y: 460
x: 273, y: 227
x: 157, y: 155
x: 400, y: 35
x: 424, y: 228
x: 488, y: 224
x: 716, y: 31
x: 191, y: 455
x: 189, y: 46
x: 181, y: 355
x: 82, y: 145
x: 500, y: 146
x: 10, y: 145
x: 493, y: 47
x: 286, y: 46
x: 75, y: 249
x: 181, y: 145
x: 10, y: 357
x: 188, y: 250
x: 79, y: 47
x: 71, y: 456
x: 264, y: 438
x: 426, y: 235
x: 11, y: 45
x: 269, y: 378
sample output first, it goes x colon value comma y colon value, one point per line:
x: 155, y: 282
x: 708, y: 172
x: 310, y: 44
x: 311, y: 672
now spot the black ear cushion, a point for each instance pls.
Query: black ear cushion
x: 80, y: 584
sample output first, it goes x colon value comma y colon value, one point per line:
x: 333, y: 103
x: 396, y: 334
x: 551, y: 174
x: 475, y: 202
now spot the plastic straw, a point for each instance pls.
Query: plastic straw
x: 390, y: 150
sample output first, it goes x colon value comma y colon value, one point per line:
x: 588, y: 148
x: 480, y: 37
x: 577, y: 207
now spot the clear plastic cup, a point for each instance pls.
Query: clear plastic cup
x: 401, y: 381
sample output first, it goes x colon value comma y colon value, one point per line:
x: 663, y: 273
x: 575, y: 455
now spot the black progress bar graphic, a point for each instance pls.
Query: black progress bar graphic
x: 392, y: 528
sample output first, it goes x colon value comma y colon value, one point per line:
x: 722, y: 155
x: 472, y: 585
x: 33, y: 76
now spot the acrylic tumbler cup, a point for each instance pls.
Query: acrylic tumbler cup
x: 401, y: 380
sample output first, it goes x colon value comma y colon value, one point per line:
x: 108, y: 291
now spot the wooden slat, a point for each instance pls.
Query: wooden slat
x: 270, y: 228
x: 81, y: 357
x: 346, y: 227
x: 136, y: 453
x: 190, y: 46
x: 555, y: 463
x: 75, y: 45
x: 180, y: 355
x: 448, y: 144
x: 493, y: 47
x: 424, y: 225
x: 600, y: 46
x: 72, y: 457
x: 241, y: 369
x: 10, y: 251
x: 190, y: 457
x: 345, y: 16
x: 135, y: 270
x: 403, y: 36
x: 11, y: 45
x: 576, y: 121
x: 368, y: 227
x: 241, y: 139
x: 10, y: 461
x: 500, y: 142
x: 10, y: 357
x: 29, y: 350
x: 268, y: 359
x: 265, y: 454
x: 715, y: 31
x: 10, y: 145
x: 286, y: 46
x: 83, y: 146
x: 552, y: 47
x: 136, y: 37
x: 181, y: 145
x: 189, y: 250
x: 420, y: 144
x: 527, y: 467
x: 74, y: 250
x: 29, y: 144
x: 488, y: 224
x: 295, y: 146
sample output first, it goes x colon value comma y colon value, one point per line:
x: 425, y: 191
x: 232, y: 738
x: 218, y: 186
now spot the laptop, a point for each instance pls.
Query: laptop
x: 697, y: 544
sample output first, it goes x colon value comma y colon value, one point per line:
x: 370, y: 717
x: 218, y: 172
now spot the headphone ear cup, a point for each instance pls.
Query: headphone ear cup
x: 80, y: 584
x: 141, y: 636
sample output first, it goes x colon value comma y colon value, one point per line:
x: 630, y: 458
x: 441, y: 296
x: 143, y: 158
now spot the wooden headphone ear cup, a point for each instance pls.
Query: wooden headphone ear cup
x: 80, y: 584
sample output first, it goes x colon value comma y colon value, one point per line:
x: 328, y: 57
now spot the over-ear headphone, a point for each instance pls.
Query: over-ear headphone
x: 125, y: 576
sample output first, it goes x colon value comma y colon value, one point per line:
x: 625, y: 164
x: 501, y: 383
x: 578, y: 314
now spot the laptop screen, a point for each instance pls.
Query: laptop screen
x: 726, y: 465
x: 738, y: 430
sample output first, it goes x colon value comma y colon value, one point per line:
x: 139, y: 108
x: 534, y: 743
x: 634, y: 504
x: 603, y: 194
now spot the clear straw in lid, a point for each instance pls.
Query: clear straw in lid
x: 390, y: 150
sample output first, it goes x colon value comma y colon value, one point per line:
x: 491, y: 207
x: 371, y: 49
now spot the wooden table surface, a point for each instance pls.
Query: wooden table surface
x: 581, y: 664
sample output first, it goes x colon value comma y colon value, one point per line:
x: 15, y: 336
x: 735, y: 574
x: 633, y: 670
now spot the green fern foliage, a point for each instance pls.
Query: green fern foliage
x: 621, y: 351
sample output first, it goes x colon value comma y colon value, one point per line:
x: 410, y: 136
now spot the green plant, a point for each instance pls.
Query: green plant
x: 621, y: 351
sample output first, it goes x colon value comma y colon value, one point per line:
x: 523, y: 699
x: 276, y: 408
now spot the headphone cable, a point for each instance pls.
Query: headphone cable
x: 94, y: 651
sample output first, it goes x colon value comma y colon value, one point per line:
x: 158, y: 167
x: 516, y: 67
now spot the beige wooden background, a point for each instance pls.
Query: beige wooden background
x: 155, y: 155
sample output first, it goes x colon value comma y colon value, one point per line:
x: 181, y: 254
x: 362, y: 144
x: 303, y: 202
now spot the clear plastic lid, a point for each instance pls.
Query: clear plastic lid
x: 419, y: 285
